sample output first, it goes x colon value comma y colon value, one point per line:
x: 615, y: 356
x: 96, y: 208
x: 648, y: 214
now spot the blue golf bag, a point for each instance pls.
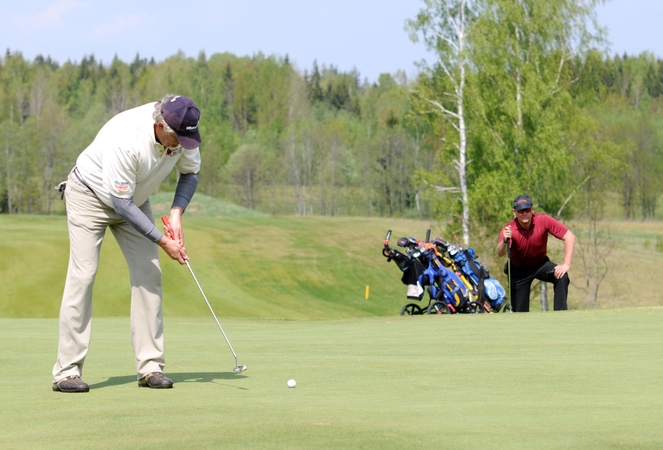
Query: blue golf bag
x: 488, y: 288
x: 442, y: 283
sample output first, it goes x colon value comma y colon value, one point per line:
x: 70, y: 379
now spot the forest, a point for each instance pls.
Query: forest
x: 548, y: 112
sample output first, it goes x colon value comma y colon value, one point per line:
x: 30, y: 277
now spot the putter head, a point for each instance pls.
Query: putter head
x: 239, y: 369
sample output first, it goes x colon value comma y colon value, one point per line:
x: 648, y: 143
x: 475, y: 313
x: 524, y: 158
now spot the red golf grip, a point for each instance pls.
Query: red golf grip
x: 166, y: 224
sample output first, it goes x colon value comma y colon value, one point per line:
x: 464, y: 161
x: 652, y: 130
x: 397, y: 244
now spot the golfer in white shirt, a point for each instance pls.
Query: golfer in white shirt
x: 110, y: 188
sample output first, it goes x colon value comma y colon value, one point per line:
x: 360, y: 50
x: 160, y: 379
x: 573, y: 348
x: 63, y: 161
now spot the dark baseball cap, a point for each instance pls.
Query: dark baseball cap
x: 183, y: 116
x: 522, y: 202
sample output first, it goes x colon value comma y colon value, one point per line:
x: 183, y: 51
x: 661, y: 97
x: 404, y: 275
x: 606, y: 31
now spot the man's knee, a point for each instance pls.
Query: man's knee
x: 563, y: 282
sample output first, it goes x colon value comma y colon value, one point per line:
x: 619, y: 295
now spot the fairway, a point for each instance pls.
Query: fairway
x: 277, y: 267
x: 577, y: 379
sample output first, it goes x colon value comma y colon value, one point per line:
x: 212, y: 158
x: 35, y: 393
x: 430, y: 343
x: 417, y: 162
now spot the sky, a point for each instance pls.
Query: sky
x: 364, y: 35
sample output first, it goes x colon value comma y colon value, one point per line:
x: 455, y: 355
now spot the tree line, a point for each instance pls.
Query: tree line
x: 543, y: 111
x: 275, y: 139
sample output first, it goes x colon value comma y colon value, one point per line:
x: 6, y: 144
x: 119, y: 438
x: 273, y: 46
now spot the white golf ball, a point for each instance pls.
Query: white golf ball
x: 292, y: 383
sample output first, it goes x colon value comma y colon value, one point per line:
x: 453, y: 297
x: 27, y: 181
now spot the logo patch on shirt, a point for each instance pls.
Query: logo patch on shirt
x: 174, y: 151
x: 121, y: 186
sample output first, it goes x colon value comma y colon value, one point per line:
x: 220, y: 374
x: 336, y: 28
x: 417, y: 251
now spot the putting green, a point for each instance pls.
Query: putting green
x: 576, y: 379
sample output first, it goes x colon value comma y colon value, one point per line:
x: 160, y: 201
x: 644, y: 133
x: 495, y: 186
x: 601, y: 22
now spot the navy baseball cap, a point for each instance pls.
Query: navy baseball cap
x: 522, y: 202
x: 183, y: 116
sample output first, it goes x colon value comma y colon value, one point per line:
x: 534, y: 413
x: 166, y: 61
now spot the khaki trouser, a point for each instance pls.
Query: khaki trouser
x: 88, y: 219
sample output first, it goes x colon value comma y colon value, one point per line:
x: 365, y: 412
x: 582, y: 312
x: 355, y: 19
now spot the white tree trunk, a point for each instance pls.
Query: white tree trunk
x: 462, y: 133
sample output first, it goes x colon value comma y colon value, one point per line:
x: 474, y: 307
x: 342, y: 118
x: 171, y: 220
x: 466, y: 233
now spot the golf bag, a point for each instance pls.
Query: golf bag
x: 410, y: 266
x: 425, y: 269
x: 488, y: 289
x: 442, y: 284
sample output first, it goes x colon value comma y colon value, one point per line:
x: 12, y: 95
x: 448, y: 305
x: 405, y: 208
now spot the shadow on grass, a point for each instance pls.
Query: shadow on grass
x: 193, y: 377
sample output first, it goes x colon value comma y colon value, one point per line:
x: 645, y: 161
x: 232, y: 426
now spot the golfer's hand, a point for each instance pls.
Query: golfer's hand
x: 561, y: 270
x: 173, y: 249
x: 175, y: 230
x: 507, y: 232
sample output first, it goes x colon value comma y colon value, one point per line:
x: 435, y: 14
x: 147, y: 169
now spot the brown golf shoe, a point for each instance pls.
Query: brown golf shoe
x: 71, y: 384
x: 155, y: 380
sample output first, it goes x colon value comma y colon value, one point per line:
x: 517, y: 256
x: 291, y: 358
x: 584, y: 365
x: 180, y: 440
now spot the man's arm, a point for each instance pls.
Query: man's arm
x: 569, y: 244
x: 502, y: 245
x: 186, y: 187
x: 128, y: 210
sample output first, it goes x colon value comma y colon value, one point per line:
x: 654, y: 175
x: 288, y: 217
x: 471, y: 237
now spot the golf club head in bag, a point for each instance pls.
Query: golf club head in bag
x: 441, y: 244
x: 407, y: 242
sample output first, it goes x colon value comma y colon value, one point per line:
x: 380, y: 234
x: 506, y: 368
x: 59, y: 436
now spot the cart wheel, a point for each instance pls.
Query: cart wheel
x: 411, y: 309
x: 438, y: 308
x: 475, y: 308
x: 507, y: 308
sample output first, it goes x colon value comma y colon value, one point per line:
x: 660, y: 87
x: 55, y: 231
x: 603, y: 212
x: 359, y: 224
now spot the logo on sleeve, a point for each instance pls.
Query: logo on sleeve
x: 121, y: 186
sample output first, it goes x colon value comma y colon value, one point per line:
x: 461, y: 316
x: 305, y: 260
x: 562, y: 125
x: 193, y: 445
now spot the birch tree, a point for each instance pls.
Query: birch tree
x: 443, y: 26
x: 521, y: 50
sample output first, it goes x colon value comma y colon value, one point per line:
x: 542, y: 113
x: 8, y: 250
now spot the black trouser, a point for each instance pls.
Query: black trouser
x: 521, y: 282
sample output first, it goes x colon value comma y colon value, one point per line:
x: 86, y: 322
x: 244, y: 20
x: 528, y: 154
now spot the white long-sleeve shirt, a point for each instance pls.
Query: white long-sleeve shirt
x: 126, y: 161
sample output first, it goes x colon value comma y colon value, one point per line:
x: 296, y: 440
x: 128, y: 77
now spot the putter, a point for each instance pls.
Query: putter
x: 508, y: 261
x: 237, y: 368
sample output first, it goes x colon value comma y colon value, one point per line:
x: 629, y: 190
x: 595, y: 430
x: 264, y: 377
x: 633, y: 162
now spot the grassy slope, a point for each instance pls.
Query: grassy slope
x: 249, y: 265
x: 577, y: 380
x: 253, y: 265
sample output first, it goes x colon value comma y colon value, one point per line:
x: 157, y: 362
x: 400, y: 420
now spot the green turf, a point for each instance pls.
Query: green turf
x: 280, y: 267
x: 254, y: 265
x: 269, y: 267
x: 574, y: 380
x: 203, y: 206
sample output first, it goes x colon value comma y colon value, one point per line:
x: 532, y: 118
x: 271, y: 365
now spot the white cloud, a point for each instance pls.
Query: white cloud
x: 52, y: 16
x: 119, y: 26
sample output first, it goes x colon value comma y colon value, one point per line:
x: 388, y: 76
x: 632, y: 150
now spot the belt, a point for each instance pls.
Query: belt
x: 80, y: 178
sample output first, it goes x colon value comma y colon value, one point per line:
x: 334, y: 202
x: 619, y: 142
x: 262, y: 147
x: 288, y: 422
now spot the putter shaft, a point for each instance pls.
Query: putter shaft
x: 237, y: 368
x: 212, y: 311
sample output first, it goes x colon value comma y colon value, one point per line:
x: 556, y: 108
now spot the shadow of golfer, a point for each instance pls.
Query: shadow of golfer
x: 193, y: 377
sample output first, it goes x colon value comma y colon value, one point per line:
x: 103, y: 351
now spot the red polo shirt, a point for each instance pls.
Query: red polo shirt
x: 529, y: 247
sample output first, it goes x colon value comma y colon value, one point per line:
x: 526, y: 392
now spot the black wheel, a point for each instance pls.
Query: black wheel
x: 412, y: 309
x: 438, y: 308
x: 474, y: 308
x: 506, y: 308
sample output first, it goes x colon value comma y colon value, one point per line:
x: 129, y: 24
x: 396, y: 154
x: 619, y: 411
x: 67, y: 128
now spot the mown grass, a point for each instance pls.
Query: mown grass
x: 270, y: 267
x: 367, y: 378
x: 262, y: 267
x: 576, y: 380
x: 254, y: 265
x: 284, y: 267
